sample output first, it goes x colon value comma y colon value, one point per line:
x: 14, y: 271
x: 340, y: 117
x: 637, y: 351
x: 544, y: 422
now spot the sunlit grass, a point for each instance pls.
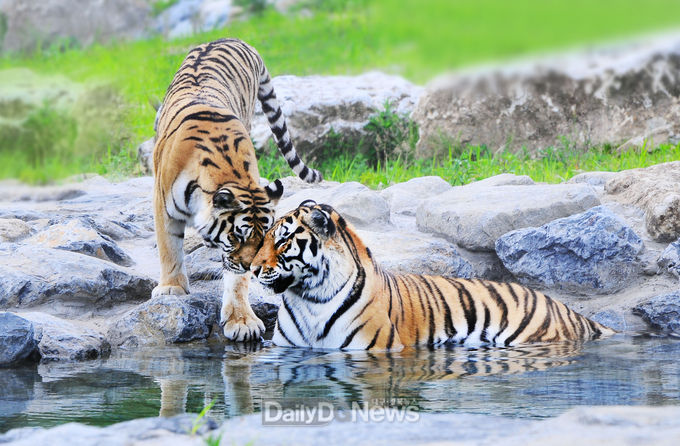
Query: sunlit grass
x: 477, y: 163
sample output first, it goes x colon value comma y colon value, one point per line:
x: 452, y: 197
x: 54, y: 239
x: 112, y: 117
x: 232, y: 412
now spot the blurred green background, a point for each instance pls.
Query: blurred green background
x: 415, y: 39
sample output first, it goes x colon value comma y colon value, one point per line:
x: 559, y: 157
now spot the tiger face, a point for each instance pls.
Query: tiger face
x: 303, y: 252
x: 235, y: 220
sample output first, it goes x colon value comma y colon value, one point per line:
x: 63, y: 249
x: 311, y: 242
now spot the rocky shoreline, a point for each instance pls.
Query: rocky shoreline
x: 78, y: 261
x: 589, y: 425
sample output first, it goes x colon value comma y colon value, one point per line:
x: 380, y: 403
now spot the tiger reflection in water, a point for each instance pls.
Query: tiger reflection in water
x: 252, y: 372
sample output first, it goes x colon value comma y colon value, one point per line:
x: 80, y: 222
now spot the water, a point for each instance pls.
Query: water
x: 526, y: 382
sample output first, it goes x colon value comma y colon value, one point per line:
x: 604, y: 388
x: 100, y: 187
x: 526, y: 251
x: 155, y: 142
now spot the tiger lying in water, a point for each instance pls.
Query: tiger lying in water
x: 336, y: 296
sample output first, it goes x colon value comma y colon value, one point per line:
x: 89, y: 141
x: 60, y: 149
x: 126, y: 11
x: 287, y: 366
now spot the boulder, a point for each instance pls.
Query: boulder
x: 661, y: 312
x: 360, y: 205
x: 165, y: 320
x: 670, y: 259
x: 187, y: 17
x: 79, y: 235
x: 656, y: 190
x: 405, y: 197
x: 17, y: 339
x: 63, y: 339
x: 30, y: 24
x: 31, y: 276
x: 591, y: 252
x: 13, y: 229
x: 316, y: 106
x: 414, y: 253
x: 475, y: 215
x: 611, y: 95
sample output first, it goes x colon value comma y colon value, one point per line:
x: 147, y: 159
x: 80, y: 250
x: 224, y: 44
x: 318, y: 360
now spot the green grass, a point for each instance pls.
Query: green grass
x: 463, y: 166
x: 409, y: 37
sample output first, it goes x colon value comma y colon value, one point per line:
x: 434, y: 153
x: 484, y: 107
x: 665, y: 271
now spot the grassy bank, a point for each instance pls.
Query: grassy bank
x: 409, y: 37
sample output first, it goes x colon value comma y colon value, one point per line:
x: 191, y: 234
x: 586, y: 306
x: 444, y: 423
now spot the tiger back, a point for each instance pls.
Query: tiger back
x: 336, y: 296
x: 206, y: 173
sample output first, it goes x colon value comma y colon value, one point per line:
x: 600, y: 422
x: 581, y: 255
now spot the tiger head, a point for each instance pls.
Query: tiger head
x: 236, y: 219
x: 309, y: 251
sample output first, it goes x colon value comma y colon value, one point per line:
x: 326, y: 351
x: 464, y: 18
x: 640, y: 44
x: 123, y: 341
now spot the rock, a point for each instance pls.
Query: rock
x: 13, y: 229
x: 165, y: 320
x: 475, y: 215
x: 590, y: 252
x: 612, y: 319
x: 63, y: 339
x: 45, y: 22
x: 661, y: 312
x: 656, y: 190
x: 315, y: 105
x: 592, y: 178
x: 17, y: 339
x: 204, y: 264
x: 79, y: 235
x: 610, y: 95
x: 31, y: 276
x: 187, y: 17
x: 405, y: 197
x: 670, y: 259
x: 267, y: 312
x: 150, y: 431
x: 145, y: 155
x: 413, y: 253
x: 360, y: 205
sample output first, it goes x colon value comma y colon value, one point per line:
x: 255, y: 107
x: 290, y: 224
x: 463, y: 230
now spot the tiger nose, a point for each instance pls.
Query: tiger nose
x: 256, y: 270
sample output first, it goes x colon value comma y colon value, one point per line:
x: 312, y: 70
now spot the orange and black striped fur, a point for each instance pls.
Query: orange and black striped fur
x: 336, y: 296
x: 206, y: 172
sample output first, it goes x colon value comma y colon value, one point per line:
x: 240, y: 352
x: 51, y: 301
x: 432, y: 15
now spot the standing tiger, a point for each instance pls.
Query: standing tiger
x: 336, y: 296
x: 206, y: 172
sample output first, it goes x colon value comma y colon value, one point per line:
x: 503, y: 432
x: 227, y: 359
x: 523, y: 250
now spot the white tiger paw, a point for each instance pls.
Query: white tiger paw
x: 162, y: 290
x: 241, y: 327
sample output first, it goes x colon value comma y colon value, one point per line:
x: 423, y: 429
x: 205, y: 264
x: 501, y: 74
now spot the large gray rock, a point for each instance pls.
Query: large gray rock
x: 31, y: 276
x: 590, y: 252
x: 609, y: 96
x: 670, y: 259
x: 360, y: 205
x: 165, y: 320
x: 315, y: 105
x: 62, y: 339
x: 475, y: 215
x: 187, y: 17
x: 17, y: 339
x: 79, y: 235
x: 656, y: 190
x: 413, y: 253
x: 405, y: 197
x: 661, y: 312
x: 44, y: 22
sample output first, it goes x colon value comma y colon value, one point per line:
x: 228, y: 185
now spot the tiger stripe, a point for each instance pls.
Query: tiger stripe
x: 378, y: 310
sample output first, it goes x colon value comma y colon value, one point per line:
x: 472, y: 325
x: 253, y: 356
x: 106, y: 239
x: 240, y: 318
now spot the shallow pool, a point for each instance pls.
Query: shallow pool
x: 529, y: 382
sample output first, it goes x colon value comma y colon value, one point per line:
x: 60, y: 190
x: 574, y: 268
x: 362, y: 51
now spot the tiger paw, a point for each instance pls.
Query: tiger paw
x: 162, y: 290
x: 241, y: 327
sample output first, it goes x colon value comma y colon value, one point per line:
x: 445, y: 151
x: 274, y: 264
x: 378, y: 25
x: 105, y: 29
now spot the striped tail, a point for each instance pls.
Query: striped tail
x: 277, y: 122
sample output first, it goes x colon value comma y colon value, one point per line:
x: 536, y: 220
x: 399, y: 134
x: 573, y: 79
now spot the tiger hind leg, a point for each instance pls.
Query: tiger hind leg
x: 238, y: 320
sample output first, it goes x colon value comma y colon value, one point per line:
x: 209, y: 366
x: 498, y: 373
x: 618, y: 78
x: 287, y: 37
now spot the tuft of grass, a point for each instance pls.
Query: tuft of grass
x: 199, y: 421
x: 213, y: 441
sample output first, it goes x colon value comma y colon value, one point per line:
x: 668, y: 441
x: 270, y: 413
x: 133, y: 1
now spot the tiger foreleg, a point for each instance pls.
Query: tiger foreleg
x: 170, y: 241
x: 237, y: 318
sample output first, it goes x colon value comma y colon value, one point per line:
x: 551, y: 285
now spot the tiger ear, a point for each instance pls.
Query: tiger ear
x: 307, y: 203
x: 224, y: 199
x: 274, y: 191
x: 321, y: 223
